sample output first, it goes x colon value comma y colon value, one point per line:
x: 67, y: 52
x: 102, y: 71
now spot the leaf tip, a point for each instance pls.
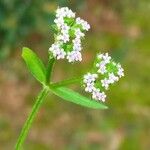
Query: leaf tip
x: 24, y: 50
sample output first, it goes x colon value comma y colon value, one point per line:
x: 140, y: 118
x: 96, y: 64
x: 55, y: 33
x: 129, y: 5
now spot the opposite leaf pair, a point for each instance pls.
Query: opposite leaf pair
x: 39, y: 71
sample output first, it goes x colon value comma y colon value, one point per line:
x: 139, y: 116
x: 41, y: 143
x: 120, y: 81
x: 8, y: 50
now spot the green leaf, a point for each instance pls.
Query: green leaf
x: 70, y: 95
x: 34, y: 64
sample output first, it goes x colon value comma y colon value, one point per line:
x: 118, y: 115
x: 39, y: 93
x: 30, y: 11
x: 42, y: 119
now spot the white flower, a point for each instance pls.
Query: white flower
x: 70, y: 14
x: 112, y: 78
x: 105, y: 83
x: 89, y: 78
x: 54, y: 47
x: 63, y: 37
x: 74, y: 56
x: 77, y: 44
x: 77, y: 41
x: 97, y: 95
x: 61, y: 54
x: 77, y: 47
x: 102, y: 96
x: 60, y: 12
x: 64, y: 12
x: 57, y: 52
x: 79, y: 20
x: 120, y: 71
x: 89, y: 87
x: 84, y: 24
x: 101, y: 67
x: 79, y: 34
x: 59, y: 22
x: 64, y: 28
x: 106, y: 58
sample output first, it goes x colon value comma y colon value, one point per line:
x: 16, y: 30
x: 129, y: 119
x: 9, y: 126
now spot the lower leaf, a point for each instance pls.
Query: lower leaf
x: 70, y: 95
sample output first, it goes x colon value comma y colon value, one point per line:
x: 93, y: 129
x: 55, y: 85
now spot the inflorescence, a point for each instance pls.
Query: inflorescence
x: 110, y: 73
x: 69, y: 33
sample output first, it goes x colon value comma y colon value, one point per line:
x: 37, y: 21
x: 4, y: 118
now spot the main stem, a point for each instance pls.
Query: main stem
x: 42, y: 95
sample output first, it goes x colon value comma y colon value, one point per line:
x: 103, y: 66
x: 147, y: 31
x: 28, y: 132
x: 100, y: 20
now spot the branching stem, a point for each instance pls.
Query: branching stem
x: 51, y: 62
x: 66, y: 82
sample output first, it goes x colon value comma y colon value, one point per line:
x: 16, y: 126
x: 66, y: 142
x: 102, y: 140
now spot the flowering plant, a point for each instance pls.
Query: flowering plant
x: 69, y: 32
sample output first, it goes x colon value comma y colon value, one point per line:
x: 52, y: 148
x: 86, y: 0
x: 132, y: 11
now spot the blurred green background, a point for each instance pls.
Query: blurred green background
x: 121, y: 27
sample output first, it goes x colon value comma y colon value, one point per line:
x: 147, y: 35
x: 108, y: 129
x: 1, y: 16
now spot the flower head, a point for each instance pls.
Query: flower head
x: 105, y: 72
x: 69, y: 31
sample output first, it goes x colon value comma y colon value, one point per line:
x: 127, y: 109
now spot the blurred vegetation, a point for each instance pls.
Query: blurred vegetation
x: 120, y: 27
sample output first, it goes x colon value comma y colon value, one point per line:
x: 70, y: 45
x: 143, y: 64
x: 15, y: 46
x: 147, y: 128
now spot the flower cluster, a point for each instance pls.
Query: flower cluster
x: 69, y: 33
x: 110, y: 73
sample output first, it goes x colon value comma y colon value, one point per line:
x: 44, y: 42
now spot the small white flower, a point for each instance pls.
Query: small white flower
x: 112, y: 78
x: 84, y: 24
x: 63, y: 37
x: 54, y: 47
x: 57, y: 52
x: 60, y: 12
x: 59, y: 22
x: 89, y: 87
x: 89, y: 78
x: 105, y: 83
x: 65, y: 28
x: 77, y: 44
x: 120, y: 71
x: 70, y: 14
x: 106, y: 58
x: 97, y: 95
x: 101, y: 67
x: 74, y: 56
x: 61, y: 54
x: 77, y: 47
x: 102, y: 96
x: 64, y: 12
x: 77, y: 41
x: 79, y: 34
x: 79, y: 20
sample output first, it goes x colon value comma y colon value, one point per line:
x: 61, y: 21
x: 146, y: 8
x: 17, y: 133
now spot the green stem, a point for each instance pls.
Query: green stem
x: 42, y: 95
x: 49, y: 70
x: 66, y: 82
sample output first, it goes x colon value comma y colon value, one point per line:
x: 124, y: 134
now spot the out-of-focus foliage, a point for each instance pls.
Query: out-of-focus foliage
x: 19, y: 18
x: 121, y: 27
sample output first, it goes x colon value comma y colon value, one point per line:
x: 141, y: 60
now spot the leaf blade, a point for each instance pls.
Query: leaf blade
x: 70, y: 95
x: 34, y: 64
